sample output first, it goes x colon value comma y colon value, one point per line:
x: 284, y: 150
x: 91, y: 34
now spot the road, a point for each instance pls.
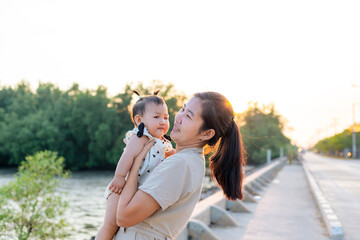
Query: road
x: 339, y: 180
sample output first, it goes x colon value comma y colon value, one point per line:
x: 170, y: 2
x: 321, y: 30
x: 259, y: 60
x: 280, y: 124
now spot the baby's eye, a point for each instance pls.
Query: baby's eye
x: 166, y: 118
x: 156, y: 116
x: 188, y: 116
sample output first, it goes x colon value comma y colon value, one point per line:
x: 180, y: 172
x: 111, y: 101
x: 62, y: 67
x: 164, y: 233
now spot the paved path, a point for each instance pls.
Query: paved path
x: 287, y: 210
x: 340, y: 182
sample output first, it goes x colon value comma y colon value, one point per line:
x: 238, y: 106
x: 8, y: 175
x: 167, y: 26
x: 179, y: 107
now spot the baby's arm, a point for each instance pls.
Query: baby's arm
x: 133, y: 148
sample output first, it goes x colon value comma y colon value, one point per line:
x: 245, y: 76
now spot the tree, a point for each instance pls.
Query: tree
x: 262, y: 129
x: 335, y: 145
x: 85, y: 126
x: 31, y: 205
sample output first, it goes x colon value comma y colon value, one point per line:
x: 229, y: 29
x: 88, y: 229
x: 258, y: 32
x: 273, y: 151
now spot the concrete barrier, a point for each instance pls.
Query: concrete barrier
x: 213, y: 211
x: 332, y: 222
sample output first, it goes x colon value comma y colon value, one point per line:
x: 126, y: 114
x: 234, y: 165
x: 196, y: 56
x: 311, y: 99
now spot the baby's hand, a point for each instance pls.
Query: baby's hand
x: 117, y: 184
x: 169, y: 153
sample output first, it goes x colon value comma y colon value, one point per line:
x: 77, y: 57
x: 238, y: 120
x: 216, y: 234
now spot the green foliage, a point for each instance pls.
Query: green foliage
x: 336, y: 144
x: 30, y: 206
x: 86, y: 127
x: 262, y: 129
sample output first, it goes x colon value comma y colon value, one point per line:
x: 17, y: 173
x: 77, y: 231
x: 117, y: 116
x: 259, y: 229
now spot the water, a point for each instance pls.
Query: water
x: 86, y: 201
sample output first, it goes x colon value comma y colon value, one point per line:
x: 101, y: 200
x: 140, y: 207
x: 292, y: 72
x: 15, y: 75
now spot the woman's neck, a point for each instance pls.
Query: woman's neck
x: 180, y: 147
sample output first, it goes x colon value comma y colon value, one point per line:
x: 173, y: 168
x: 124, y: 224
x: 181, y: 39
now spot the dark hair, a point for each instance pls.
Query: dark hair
x: 140, y: 106
x: 227, y: 163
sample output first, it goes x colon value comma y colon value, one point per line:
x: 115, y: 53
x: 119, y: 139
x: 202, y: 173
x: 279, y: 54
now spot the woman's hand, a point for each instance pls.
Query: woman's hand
x: 142, y: 154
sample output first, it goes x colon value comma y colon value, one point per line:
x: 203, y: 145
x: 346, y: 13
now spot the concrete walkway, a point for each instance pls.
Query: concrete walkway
x: 287, y: 210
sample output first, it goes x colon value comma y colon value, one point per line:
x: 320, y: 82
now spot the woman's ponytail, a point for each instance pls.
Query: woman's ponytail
x: 227, y: 163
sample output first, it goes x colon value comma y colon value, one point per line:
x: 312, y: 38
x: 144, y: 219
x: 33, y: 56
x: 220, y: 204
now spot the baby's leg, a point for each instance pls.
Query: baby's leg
x: 109, y: 228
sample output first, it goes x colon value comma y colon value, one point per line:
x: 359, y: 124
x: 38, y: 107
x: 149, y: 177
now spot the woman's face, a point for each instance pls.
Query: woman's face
x: 187, y: 124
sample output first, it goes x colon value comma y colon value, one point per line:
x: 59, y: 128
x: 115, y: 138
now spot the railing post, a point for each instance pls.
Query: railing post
x: 268, y: 156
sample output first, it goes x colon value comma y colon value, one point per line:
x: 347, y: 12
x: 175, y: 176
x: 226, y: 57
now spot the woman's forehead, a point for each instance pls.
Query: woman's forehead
x: 194, y: 105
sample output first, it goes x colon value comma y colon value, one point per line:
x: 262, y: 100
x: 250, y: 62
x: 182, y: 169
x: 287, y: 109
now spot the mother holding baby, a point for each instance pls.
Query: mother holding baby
x: 161, y: 207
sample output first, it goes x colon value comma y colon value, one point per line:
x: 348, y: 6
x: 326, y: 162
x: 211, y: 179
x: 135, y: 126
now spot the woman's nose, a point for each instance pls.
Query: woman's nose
x: 178, y: 118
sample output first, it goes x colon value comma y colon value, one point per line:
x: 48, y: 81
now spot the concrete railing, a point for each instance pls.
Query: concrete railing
x: 212, y: 211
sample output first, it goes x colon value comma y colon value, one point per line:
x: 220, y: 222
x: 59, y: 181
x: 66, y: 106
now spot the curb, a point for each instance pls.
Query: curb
x: 332, y: 222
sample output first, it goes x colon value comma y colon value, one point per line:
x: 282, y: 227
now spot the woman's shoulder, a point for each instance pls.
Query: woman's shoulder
x: 186, y: 157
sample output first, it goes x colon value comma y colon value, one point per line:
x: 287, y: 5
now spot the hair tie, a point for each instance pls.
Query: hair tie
x: 141, y: 127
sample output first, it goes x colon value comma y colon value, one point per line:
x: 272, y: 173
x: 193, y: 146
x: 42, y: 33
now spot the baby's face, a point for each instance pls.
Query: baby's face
x: 156, y: 119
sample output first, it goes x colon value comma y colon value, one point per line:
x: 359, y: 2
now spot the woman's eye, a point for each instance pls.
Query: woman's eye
x: 188, y: 116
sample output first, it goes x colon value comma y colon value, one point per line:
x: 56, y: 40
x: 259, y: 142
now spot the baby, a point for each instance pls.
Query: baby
x: 151, y: 119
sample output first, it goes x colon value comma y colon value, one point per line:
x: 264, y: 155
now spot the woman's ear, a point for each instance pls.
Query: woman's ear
x: 207, y: 134
x: 137, y: 120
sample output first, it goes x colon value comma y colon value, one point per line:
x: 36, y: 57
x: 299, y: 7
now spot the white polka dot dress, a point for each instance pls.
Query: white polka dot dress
x: 153, y: 158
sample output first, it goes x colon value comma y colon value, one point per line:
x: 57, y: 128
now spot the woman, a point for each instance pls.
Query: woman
x: 161, y: 207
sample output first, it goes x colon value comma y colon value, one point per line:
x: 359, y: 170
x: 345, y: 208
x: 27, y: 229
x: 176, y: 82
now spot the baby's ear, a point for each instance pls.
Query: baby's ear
x: 137, y: 120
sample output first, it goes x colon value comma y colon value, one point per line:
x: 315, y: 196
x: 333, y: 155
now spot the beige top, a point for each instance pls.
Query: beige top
x: 176, y: 185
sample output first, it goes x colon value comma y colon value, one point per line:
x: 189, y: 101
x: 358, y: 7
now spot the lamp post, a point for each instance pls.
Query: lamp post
x: 353, y: 128
x: 353, y: 134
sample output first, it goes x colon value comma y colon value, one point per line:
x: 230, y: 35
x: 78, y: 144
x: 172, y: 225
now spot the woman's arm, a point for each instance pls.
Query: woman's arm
x: 135, y: 205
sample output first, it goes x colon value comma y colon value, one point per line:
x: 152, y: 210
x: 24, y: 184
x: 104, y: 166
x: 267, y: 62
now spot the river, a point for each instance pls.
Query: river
x: 86, y: 202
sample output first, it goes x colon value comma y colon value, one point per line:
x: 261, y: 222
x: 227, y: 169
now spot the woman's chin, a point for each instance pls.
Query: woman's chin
x: 173, y: 135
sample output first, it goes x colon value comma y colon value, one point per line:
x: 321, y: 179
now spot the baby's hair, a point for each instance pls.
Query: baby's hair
x: 140, y: 105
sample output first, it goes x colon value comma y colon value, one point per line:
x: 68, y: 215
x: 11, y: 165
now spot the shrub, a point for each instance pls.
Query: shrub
x: 31, y: 207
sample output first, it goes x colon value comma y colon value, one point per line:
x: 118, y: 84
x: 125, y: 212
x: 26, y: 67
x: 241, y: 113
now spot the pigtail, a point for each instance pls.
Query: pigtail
x: 226, y: 164
x: 137, y: 93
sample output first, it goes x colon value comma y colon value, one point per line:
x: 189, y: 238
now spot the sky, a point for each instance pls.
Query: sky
x: 301, y: 56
